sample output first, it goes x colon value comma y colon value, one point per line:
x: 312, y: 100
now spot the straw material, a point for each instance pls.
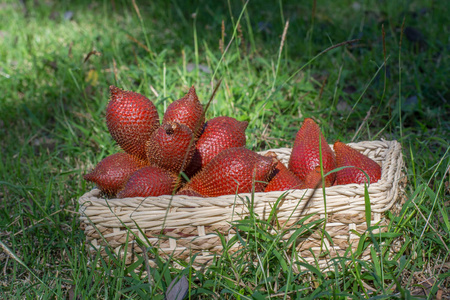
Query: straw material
x: 181, y: 226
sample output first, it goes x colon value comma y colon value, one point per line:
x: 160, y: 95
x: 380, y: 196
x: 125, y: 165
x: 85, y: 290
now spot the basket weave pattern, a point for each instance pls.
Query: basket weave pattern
x: 190, y: 225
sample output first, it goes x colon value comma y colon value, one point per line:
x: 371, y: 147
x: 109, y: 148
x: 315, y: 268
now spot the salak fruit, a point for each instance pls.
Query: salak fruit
x: 305, y: 155
x: 111, y: 174
x: 314, y: 179
x: 189, y: 192
x: 347, y: 156
x: 131, y: 119
x: 187, y: 111
x: 149, y: 181
x: 170, y: 147
x: 281, y: 178
x: 234, y: 170
x: 219, y: 133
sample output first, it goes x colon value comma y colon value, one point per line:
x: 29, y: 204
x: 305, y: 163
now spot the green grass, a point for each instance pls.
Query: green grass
x: 52, y: 131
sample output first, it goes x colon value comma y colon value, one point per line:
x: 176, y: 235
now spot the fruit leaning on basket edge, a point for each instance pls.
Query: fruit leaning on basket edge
x: 211, y: 155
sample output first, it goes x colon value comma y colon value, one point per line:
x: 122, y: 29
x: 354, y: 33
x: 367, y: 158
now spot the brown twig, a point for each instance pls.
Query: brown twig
x: 93, y: 52
x: 362, y: 124
x: 132, y: 38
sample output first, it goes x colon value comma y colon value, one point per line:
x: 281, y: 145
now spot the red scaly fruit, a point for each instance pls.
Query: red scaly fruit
x: 314, y: 180
x: 232, y: 170
x: 281, y: 178
x: 347, y: 156
x: 189, y: 192
x: 131, y: 119
x: 187, y: 111
x: 219, y: 133
x: 169, y: 146
x: 305, y: 153
x: 149, y: 181
x: 112, y: 172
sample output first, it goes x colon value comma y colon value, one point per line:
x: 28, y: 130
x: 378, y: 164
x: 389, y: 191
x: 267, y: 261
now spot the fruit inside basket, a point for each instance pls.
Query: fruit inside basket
x: 211, y: 155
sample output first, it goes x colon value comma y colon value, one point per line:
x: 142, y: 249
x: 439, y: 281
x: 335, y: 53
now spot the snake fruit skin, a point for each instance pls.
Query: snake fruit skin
x: 149, y: 181
x: 187, y: 111
x: 169, y: 146
x: 231, y: 171
x: 282, y: 178
x: 189, y: 192
x: 305, y: 153
x: 314, y: 180
x: 112, y: 173
x: 347, y: 156
x: 219, y: 133
x: 131, y: 119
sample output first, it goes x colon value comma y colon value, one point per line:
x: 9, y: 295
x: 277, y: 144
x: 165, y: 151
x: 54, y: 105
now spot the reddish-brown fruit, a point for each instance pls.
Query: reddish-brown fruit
x: 187, y: 111
x: 169, y: 146
x: 131, y: 119
x: 149, y: 181
x: 305, y: 153
x: 347, y: 156
x: 112, y: 172
x: 314, y: 180
x: 282, y: 179
x: 219, y: 133
x: 233, y: 170
x: 189, y: 192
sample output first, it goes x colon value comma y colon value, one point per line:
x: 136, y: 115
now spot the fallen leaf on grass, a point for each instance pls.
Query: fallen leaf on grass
x: 92, y: 77
x: 177, y: 289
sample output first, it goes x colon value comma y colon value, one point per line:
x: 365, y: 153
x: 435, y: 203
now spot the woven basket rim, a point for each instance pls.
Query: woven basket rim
x: 349, y: 190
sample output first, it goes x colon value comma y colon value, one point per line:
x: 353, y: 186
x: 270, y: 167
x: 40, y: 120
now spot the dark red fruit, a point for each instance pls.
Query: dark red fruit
x: 347, y: 156
x: 233, y: 170
x: 112, y: 172
x: 219, y: 133
x: 187, y: 111
x: 314, y: 180
x: 282, y: 178
x: 305, y: 155
x: 131, y: 119
x: 189, y: 192
x: 169, y: 146
x: 149, y: 181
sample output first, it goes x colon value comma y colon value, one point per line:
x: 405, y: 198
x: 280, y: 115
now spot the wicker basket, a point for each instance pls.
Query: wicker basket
x: 191, y: 224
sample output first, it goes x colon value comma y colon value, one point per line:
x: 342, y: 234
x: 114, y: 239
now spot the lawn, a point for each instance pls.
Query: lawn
x: 364, y: 70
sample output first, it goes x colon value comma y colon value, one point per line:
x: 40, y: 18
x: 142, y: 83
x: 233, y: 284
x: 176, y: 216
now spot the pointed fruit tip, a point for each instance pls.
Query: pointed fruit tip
x: 114, y: 90
x: 338, y: 144
x: 192, y: 94
x: 88, y: 176
x: 310, y: 121
x: 192, y: 90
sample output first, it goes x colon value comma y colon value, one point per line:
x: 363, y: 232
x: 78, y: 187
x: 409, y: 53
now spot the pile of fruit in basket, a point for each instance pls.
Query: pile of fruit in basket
x: 212, y: 154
